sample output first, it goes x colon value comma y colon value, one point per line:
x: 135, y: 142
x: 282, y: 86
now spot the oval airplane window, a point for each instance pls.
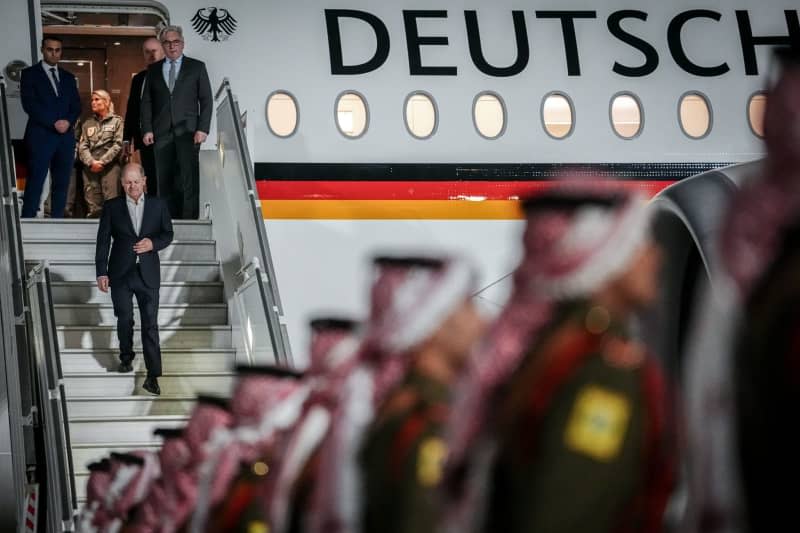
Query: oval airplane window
x: 694, y: 113
x: 489, y: 115
x: 421, y: 116
x: 282, y: 114
x: 626, y: 115
x: 352, y: 115
x: 557, y: 115
x: 755, y: 113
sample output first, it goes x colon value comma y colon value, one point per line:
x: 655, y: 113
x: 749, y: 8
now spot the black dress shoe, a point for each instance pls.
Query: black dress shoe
x: 125, y: 367
x: 151, y: 385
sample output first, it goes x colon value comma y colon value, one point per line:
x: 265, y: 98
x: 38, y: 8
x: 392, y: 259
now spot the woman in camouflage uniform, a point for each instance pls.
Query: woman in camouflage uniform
x: 100, y: 146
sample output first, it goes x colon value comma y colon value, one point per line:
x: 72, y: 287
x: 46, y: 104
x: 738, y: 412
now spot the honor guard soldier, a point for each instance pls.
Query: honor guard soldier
x: 562, y: 427
x: 745, y: 372
x: 423, y: 325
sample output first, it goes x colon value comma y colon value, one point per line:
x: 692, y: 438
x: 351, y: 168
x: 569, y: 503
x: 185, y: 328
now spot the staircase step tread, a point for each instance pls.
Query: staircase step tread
x: 94, y: 241
x: 168, y: 262
x: 134, y: 398
x: 90, y: 221
x: 137, y: 418
x: 215, y: 327
x: 92, y: 445
x: 81, y: 351
x: 200, y: 373
x: 161, y: 306
x: 93, y: 283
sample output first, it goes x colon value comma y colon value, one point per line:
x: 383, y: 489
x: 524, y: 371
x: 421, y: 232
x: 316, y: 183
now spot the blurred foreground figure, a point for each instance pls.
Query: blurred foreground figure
x: 286, y: 500
x: 291, y: 429
x: 411, y: 297
x: 426, y: 330
x: 562, y: 425
x: 744, y: 370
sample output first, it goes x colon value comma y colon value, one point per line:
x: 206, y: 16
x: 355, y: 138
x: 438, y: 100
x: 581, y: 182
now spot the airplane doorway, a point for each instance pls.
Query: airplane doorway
x: 102, y: 43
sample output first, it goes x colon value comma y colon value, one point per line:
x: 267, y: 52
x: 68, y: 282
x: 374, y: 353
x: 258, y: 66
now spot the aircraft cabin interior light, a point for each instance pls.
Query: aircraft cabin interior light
x: 755, y: 113
x: 694, y: 113
x: 420, y: 114
x: 489, y: 115
x: 351, y: 114
x: 282, y: 114
x: 557, y: 115
x: 626, y: 115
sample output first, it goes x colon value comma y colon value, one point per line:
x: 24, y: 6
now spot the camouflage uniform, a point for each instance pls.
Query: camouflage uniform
x: 582, y: 444
x: 101, y: 140
x: 402, y: 459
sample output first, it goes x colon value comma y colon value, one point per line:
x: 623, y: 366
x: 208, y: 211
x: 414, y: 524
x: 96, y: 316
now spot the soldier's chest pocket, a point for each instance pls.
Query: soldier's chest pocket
x: 107, y: 133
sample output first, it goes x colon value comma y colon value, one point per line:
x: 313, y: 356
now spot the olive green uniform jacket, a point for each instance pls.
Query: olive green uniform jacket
x: 402, y: 459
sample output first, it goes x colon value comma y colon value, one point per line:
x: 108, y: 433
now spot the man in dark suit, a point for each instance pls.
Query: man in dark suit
x: 140, y: 226
x: 176, y: 116
x: 132, y: 133
x: 50, y: 98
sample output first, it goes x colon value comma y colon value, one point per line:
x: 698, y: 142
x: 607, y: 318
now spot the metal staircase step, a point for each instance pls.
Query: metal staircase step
x: 168, y: 314
x: 114, y: 384
x: 38, y: 249
x: 94, y: 429
x: 172, y: 292
x: 65, y: 228
x: 71, y: 337
x: 172, y: 360
x: 126, y: 406
x: 83, y: 270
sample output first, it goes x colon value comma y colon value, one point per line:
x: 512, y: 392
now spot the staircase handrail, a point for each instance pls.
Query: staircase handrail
x: 43, y: 338
x: 14, y: 357
x: 271, y: 301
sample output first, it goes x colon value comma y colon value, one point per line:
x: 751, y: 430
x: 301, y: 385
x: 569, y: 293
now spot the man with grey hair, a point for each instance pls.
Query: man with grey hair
x: 175, y: 119
x: 132, y: 135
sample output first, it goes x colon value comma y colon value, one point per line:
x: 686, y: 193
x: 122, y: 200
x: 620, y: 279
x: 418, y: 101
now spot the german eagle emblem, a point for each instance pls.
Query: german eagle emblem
x: 214, y: 24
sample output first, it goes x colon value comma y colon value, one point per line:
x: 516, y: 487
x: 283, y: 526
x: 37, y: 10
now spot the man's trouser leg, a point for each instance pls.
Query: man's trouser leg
x: 149, y: 165
x: 122, y: 298
x: 189, y: 181
x: 38, y: 164
x: 147, y: 299
x: 167, y: 173
x: 60, y: 170
x: 72, y: 194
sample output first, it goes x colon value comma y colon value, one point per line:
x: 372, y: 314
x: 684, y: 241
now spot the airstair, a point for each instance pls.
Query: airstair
x: 108, y: 410
x: 65, y: 403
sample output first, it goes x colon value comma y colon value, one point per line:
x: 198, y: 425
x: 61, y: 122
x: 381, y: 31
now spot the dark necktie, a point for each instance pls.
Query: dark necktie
x: 55, y: 79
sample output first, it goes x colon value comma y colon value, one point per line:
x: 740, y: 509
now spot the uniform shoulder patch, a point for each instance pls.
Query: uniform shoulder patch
x: 598, y: 423
x: 430, y: 461
x: 257, y: 526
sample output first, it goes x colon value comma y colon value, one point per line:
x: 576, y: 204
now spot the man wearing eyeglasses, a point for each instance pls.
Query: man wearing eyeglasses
x: 176, y: 117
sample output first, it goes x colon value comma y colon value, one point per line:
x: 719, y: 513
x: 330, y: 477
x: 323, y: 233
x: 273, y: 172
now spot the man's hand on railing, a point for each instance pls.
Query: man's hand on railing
x: 102, y: 283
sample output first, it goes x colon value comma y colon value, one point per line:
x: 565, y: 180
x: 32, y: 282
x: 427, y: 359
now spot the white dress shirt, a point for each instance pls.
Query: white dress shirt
x: 47, y: 73
x: 136, y: 211
x: 165, y: 68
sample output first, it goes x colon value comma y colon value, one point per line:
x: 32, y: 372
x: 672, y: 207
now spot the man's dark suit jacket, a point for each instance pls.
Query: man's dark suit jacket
x: 187, y: 110
x: 132, y: 130
x: 44, y: 108
x: 116, y: 223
